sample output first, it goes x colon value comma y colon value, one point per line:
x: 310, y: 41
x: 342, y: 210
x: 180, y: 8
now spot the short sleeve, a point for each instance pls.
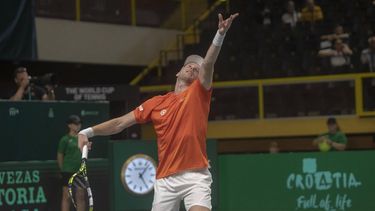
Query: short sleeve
x: 143, y: 112
x: 197, y: 84
x: 62, y: 145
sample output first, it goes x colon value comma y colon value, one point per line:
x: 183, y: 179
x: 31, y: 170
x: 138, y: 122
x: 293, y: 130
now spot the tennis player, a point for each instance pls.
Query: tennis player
x: 180, y: 121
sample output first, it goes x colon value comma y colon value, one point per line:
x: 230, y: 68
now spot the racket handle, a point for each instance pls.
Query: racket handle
x: 84, y: 152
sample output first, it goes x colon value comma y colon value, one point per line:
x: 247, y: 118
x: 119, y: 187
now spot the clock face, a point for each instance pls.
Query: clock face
x: 138, y: 174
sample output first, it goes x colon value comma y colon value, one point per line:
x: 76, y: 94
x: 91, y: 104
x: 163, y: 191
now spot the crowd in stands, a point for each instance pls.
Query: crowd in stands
x: 295, y: 38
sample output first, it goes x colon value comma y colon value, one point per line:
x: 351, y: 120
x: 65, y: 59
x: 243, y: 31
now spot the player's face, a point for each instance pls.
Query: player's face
x: 332, y: 128
x: 189, y: 72
x: 75, y: 127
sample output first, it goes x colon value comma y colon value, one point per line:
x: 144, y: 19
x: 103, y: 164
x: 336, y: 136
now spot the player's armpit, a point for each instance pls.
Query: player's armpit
x: 206, y: 77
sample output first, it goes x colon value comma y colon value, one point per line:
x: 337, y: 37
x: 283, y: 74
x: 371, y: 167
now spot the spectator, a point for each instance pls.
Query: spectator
x: 333, y: 140
x: 339, y: 56
x: 274, y: 147
x: 337, y: 34
x: 368, y: 55
x: 25, y: 90
x: 266, y: 15
x: 50, y: 91
x: 311, y: 12
x: 291, y: 17
x: 69, y: 160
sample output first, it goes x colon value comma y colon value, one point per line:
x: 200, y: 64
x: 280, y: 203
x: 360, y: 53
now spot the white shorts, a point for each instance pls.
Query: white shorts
x: 194, y: 187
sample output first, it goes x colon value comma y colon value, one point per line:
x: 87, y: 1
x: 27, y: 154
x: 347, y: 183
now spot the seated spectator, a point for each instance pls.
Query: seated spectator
x: 339, y: 56
x: 266, y: 15
x: 337, y: 34
x: 334, y: 139
x: 24, y: 90
x: 311, y: 12
x: 368, y: 55
x: 291, y: 17
x: 274, y: 147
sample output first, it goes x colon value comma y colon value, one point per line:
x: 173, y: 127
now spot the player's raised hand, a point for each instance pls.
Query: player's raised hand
x: 224, y: 25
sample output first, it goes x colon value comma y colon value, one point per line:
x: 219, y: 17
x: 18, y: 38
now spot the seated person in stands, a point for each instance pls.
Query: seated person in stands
x: 291, y: 16
x: 24, y: 90
x: 339, y: 56
x: 368, y: 55
x: 311, y: 12
x: 274, y: 147
x: 333, y: 140
x: 338, y: 33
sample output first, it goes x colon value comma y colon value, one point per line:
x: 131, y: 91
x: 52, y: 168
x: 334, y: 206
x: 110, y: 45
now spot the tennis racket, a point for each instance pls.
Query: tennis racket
x: 79, y: 185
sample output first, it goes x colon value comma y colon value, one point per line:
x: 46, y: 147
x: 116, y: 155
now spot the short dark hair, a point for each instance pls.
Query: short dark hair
x: 19, y: 70
x: 73, y: 119
x: 331, y: 121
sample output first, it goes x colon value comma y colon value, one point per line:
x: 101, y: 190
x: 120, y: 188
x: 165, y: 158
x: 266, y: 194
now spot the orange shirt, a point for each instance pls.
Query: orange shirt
x: 180, y: 123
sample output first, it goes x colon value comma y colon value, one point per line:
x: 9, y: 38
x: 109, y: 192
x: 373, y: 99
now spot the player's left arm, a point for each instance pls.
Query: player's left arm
x: 207, y: 70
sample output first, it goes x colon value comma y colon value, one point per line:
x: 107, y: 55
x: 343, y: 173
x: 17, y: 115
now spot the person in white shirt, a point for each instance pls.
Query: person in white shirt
x: 291, y: 17
x: 339, y: 55
x: 368, y: 55
x: 338, y: 33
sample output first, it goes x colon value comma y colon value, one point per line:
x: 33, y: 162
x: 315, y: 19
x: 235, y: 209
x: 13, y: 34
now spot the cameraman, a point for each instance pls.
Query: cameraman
x: 25, y: 90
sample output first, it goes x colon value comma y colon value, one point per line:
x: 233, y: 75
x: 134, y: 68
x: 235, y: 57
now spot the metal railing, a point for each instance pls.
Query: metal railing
x: 260, y: 85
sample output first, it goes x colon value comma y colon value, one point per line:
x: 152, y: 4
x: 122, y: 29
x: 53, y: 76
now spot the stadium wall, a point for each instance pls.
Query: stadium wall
x: 72, y: 41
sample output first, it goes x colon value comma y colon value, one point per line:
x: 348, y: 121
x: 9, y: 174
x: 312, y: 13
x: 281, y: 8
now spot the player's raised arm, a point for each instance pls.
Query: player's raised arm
x: 110, y: 127
x: 207, y: 70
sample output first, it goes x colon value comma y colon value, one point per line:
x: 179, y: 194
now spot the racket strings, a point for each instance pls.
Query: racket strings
x: 76, y: 183
x: 79, y: 182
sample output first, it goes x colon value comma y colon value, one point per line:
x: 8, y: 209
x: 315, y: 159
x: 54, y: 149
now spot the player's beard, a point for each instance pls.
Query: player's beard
x: 187, y: 79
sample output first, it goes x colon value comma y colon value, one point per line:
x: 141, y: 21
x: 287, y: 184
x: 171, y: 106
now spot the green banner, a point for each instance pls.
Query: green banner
x: 37, y: 185
x: 31, y: 130
x: 335, y: 181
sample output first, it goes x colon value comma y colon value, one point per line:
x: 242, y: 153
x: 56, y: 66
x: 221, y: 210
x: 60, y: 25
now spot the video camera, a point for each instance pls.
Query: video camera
x: 43, y: 80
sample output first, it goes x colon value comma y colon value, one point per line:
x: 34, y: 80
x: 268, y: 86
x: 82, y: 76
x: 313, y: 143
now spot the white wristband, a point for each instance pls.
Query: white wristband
x: 89, y: 132
x: 218, y: 39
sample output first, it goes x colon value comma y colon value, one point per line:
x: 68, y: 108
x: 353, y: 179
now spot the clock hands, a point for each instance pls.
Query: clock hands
x: 144, y: 170
x: 141, y: 175
x: 143, y: 180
